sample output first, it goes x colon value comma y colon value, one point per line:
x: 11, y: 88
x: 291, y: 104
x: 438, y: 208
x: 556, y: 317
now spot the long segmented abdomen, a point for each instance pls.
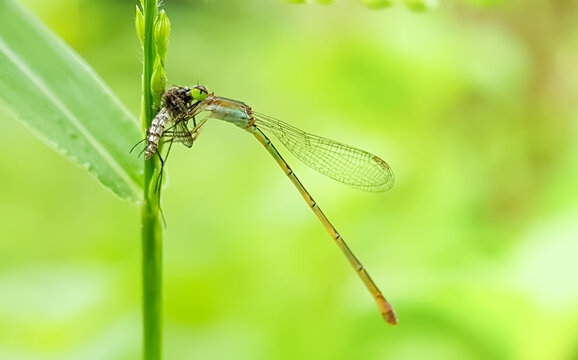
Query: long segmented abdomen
x: 155, y: 132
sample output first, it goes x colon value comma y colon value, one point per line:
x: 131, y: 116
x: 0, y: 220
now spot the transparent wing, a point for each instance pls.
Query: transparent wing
x: 179, y: 133
x: 338, y: 161
x: 182, y: 134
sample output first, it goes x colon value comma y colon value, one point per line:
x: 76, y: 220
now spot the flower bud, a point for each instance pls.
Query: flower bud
x: 158, y: 82
x: 162, y: 31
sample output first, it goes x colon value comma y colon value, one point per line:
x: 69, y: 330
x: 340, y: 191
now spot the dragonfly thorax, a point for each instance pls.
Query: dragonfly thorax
x: 235, y: 112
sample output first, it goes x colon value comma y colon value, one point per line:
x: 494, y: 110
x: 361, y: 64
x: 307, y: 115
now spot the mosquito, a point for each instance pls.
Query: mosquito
x: 171, y: 121
x: 338, y: 161
x: 178, y: 105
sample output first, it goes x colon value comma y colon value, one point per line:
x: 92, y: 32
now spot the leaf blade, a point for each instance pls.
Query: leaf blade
x: 56, y: 94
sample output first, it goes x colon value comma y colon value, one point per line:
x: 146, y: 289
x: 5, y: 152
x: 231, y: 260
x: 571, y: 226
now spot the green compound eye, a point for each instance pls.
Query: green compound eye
x: 199, y: 92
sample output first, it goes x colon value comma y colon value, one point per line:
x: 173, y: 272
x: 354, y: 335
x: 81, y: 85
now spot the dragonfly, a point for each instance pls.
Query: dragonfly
x: 336, y: 160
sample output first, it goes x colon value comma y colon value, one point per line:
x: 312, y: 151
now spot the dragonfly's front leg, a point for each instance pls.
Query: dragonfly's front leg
x: 179, y: 132
x: 196, y: 130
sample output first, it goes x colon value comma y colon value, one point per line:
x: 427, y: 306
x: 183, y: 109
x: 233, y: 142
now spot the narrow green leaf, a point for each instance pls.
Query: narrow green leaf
x: 46, y: 85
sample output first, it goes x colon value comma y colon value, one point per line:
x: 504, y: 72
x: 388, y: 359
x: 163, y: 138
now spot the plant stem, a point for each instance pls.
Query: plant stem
x: 152, y: 231
x: 152, y: 282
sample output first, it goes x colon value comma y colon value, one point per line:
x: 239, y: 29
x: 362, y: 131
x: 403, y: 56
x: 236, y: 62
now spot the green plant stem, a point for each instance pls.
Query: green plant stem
x: 152, y: 282
x: 152, y: 231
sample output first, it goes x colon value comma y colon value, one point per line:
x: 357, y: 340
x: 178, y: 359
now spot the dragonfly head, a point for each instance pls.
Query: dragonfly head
x: 199, y: 92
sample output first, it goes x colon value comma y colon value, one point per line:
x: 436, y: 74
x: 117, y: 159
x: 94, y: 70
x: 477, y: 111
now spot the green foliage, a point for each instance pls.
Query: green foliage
x: 487, y: 3
x: 377, y: 4
x: 420, y: 5
x: 414, y: 5
x: 54, y: 92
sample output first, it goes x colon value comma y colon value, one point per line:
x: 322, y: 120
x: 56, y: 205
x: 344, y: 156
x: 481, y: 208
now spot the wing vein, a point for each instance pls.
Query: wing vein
x: 341, y: 162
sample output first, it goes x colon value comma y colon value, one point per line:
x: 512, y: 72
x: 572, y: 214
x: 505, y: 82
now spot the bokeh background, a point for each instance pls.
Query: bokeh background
x: 473, y: 105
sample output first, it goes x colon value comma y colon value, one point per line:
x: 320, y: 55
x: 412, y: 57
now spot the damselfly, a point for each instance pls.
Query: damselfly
x: 341, y: 162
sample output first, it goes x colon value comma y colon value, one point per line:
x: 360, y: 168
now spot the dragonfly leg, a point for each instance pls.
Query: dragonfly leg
x: 160, y: 177
x: 196, y: 130
x: 159, y: 180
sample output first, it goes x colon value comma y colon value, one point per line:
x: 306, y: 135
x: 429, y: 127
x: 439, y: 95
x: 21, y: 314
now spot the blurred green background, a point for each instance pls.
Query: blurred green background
x: 472, y: 104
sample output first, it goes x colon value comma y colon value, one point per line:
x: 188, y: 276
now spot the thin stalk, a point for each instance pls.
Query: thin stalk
x: 152, y: 231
